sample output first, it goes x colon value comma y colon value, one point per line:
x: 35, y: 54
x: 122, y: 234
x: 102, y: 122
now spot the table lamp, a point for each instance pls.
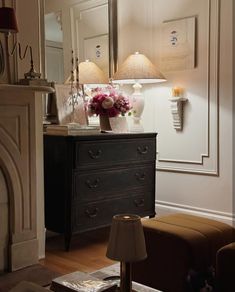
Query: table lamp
x: 8, y: 25
x: 137, y: 69
x: 127, y: 245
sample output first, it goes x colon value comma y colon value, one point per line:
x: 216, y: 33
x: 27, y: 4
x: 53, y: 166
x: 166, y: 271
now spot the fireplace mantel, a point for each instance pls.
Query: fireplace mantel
x: 21, y: 161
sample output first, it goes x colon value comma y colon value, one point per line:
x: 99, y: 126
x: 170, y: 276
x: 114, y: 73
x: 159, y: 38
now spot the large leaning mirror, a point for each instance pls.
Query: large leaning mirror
x: 76, y: 30
x: 86, y: 27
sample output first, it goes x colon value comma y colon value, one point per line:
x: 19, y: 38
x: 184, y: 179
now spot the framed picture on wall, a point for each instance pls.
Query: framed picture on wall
x: 178, y: 44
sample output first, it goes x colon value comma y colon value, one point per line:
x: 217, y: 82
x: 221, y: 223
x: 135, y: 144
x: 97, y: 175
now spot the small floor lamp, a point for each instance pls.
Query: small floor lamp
x: 127, y: 245
x: 137, y: 69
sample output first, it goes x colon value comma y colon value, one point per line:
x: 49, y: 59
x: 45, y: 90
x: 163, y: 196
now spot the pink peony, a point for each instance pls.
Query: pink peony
x: 108, y: 101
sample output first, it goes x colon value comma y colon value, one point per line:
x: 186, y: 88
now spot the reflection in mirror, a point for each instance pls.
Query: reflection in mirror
x: 83, y: 29
x: 86, y: 27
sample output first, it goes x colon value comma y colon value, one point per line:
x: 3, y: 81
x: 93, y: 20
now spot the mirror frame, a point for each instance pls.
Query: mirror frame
x: 113, y: 37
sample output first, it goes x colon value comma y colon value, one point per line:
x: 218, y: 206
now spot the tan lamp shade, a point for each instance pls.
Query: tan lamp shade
x: 89, y: 73
x: 138, y: 68
x: 8, y: 23
x: 126, y: 241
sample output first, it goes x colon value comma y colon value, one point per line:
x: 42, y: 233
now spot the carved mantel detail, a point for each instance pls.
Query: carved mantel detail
x: 20, y: 150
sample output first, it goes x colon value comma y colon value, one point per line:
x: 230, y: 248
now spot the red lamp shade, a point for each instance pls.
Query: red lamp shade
x: 8, y: 23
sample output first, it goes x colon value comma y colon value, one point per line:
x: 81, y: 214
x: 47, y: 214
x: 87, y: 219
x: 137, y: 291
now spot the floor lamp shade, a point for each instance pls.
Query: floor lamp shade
x: 8, y: 23
x: 126, y: 241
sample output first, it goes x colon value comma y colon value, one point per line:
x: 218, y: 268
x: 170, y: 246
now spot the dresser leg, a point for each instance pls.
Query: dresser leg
x: 152, y: 216
x: 67, y: 241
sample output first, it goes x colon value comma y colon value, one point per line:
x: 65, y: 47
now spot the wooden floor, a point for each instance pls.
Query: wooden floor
x: 87, y: 253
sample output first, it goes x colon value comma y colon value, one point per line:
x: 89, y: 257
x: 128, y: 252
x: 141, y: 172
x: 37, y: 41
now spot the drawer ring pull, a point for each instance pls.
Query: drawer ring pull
x: 142, y: 150
x: 140, y: 177
x: 139, y: 203
x: 94, y: 184
x: 93, y: 213
x: 94, y: 155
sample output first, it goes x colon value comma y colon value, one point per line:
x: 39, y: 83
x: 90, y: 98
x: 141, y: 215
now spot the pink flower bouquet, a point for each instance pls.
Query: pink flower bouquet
x: 108, y: 101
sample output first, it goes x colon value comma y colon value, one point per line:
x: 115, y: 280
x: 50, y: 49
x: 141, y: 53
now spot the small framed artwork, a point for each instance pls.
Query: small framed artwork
x: 96, y: 49
x: 178, y: 44
x: 64, y: 106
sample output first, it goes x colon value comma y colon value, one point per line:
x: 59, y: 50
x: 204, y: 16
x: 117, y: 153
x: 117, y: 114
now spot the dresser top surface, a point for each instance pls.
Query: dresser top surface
x: 103, y: 136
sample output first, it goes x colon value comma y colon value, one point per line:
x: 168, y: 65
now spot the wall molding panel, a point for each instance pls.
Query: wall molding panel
x: 208, y: 162
x: 164, y: 208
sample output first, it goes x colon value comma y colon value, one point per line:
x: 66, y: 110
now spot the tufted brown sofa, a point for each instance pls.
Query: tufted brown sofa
x: 182, y: 248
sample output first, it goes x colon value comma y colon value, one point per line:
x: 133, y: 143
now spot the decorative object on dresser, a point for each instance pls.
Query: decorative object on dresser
x: 91, y: 178
x: 87, y: 73
x: 137, y: 69
x: 127, y: 245
x: 108, y: 103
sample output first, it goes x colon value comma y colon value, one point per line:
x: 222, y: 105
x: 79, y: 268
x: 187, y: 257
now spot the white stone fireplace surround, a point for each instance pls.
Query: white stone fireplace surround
x: 21, y: 176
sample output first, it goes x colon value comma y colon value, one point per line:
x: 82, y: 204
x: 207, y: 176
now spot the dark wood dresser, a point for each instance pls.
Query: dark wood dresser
x: 90, y: 178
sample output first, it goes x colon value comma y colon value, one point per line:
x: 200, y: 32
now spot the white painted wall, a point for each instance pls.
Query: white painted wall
x: 188, y: 182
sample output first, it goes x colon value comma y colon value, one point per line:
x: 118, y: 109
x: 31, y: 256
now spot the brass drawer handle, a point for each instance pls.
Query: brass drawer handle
x: 92, y: 213
x: 140, y: 177
x: 143, y: 150
x: 94, y: 184
x: 94, y: 155
x: 139, y: 202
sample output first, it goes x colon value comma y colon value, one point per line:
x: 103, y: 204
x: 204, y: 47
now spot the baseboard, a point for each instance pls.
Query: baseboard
x: 165, y: 208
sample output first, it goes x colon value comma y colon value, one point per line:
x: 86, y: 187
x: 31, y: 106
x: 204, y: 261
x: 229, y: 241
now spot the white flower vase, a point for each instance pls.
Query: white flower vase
x: 119, y: 124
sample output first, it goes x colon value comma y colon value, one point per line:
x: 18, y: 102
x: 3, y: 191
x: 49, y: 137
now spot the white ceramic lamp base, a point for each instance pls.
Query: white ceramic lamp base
x: 137, y: 108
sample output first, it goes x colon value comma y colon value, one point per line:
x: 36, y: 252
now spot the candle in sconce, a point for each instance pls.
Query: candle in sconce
x: 176, y: 91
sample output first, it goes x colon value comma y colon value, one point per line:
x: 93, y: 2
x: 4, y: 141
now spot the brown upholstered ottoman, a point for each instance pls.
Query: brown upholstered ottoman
x: 225, y: 268
x: 178, y: 246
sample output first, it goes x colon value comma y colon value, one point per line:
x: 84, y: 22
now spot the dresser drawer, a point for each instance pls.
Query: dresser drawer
x: 100, y: 213
x: 114, y: 152
x: 142, y: 204
x: 108, y: 183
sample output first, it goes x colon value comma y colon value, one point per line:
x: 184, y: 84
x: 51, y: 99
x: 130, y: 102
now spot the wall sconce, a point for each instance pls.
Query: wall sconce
x: 177, y: 103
